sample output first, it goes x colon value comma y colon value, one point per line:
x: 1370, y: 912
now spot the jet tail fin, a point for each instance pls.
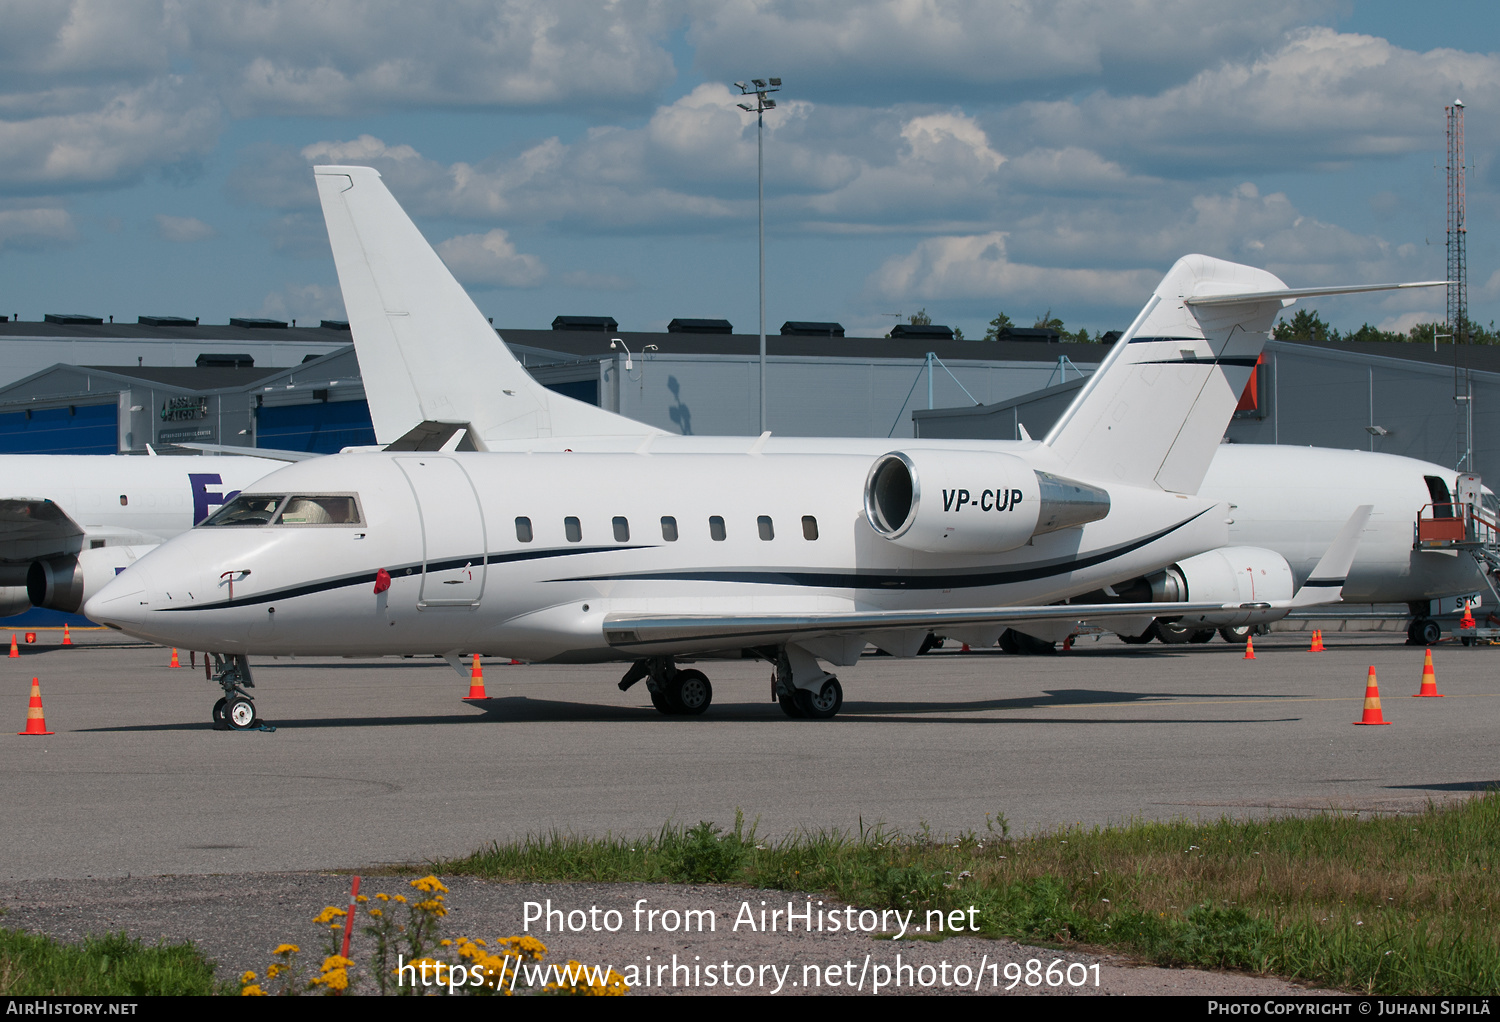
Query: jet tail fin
x: 426, y: 353
x: 1326, y: 583
x: 1158, y: 405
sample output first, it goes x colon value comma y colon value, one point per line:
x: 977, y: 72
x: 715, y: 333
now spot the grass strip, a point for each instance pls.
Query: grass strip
x: 1389, y: 905
x: 109, y: 966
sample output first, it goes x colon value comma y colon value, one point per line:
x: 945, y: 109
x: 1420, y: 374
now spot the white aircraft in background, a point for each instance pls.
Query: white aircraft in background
x: 78, y: 520
x: 549, y: 530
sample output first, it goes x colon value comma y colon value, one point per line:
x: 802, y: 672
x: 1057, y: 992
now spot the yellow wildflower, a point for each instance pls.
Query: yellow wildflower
x: 383, y: 897
x: 252, y: 991
x: 361, y: 898
x: 429, y: 884
x: 401, y: 898
x: 247, y: 978
x: 286, y: 949
x: 376, y: 913
x: 273, y: 970
x: 329, y: 914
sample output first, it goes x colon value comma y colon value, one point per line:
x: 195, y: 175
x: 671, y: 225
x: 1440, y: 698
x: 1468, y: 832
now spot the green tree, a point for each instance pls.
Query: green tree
x: 999, y: 323
x: 1306, y: 325
x: 920, y: 318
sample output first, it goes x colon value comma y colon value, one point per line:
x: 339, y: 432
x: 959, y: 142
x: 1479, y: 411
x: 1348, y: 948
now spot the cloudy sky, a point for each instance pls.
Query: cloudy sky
x: 962, y: 156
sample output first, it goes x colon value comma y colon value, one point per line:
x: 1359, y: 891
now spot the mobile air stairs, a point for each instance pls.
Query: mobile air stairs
x: 1465, y: 525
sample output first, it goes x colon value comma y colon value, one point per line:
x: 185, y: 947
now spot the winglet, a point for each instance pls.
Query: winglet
x: 1326, y: 583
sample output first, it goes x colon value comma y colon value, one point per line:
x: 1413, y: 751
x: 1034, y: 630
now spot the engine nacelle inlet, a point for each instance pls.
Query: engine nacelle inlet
x: 963, y: 502
x: 65, y: 583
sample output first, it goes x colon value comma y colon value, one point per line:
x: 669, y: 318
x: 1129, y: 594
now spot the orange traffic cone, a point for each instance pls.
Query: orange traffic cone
x: 36, y: 724
x: 1467, y: 621
x: 476, y: 681
x: 175, y: 662
x: 965, y: 649
x: 515, y: 663
x: 67, y: 635
x: 1429, y: 680
x: 1317, y: 643
x: 14, y: 649
x: 1372, y: 714
x: 1249, y: 648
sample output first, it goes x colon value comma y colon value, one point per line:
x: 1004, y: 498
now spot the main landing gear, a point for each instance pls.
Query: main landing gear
x: 803, y: 689
x: 673, y: 692
x: 236, y: 711
x: 1423, y: 630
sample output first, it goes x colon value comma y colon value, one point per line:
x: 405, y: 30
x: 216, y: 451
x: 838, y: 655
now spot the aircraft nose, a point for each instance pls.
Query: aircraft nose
x: 122, y: 602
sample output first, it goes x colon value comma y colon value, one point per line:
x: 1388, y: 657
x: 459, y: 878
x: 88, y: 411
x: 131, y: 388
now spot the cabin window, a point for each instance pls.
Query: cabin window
x: 716, y: 529
x: 124, y: 500
x: 809, y: 527
x: 573, y: 530
x: 245, y: 510
x: 669, y: 528
x: 767, y: 531
x: 622, y: 529
x: 523, y: 530
x: 320, y: 510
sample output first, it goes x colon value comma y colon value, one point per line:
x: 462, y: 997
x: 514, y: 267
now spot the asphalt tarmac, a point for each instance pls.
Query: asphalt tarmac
x: 381, y: 761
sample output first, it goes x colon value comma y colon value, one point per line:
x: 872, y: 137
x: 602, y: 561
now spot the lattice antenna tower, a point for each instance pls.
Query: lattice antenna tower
x: 1458, y: 264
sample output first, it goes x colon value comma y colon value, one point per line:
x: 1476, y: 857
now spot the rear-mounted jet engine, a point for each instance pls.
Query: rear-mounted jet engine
x: 961, y: 502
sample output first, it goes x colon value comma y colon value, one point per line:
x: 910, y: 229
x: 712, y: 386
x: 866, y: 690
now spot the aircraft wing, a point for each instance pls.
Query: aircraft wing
x: 633, y: 631
x: 1326, y: 583
x: 28, y: 524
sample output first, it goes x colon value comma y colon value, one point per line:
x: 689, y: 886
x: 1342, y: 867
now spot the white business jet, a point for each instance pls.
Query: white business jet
x: 75, y: 521
x: 549, y: 530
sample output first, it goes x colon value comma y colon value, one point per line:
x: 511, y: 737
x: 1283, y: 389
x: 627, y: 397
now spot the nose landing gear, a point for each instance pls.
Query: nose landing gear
x: 236, y: 711
x: 673, y: 692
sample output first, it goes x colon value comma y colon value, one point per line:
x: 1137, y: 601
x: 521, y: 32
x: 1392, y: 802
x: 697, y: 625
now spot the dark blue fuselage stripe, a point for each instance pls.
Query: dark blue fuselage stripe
x: 908, y: 581
x: 805, y: 579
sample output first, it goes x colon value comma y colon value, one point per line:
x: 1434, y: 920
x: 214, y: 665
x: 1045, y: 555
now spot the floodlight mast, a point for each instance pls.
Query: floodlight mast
x: 760, y: 89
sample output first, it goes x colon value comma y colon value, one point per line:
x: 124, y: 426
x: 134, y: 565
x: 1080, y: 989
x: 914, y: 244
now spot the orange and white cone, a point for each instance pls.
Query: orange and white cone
x: 1372, y: 714
x: 175, y: 662
x: 1317, y: 642
x: 1429, y: 681
x: 1249, y: 648
x: 476, y: 681
x: 15, y: 650
x: 1467, y: 621
x: 36, y: 724
x: 67, y: 635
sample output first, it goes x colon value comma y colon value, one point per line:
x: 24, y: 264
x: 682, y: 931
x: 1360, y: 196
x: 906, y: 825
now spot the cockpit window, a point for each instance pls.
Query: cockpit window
x: 246, y: 510
x: 320, y: 510
x: 298, y: 509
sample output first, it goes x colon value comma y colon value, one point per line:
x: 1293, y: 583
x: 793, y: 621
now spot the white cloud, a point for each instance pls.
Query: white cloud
x: 943, y: 50
x: 1318, y: 98
x: 307, y: 302
x: 121, y: 137
x: 35, y: 228
x: 183, y: 228
x: 491, y: 259
x: 1403, y: 323
x: 977, y: 266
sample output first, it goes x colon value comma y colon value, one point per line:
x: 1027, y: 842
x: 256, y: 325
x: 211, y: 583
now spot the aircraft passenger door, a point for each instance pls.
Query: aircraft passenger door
x: 453, y: 535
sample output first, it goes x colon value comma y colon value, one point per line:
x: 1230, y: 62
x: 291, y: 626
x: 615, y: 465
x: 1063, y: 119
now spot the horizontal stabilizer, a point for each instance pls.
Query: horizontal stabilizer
x: 1326, y: 583
x: 1288, y: 295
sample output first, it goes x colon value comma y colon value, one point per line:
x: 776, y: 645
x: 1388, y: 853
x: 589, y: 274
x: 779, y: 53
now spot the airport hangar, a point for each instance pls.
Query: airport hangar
x: 103, y: 388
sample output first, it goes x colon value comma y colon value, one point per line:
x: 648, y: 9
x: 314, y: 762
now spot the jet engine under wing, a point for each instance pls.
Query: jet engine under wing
x: 641, y: 631
x: 30, y: 526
